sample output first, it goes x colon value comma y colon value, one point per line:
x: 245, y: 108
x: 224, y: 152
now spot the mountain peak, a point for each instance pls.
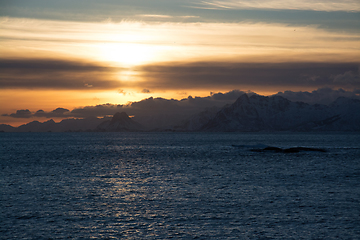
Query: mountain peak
x: 120, y: 116
x: 51, y: 121
x: 120, y: 122
x: 242, y: 99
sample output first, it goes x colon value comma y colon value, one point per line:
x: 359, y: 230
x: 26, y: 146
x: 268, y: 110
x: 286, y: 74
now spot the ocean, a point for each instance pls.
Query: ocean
x: 179, y: 186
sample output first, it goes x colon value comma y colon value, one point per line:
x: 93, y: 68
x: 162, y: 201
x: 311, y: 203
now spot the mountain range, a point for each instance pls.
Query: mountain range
x: 259, y: 113
x: 246, y: 114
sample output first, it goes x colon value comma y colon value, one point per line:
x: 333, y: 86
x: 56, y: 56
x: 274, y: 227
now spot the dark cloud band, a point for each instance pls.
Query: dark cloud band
x: 239, y: 75
x: 55, y: 74
x: 61, y: 74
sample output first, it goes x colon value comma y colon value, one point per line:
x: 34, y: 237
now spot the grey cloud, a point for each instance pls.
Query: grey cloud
x: 57, y: 113
x: 60, y: 111
x: 95, y: 11
x: 145, y: 90
x: 46, y: 65
x: 98, y: 110
x: 248, y: 75
x: 56, y: 74
x: 61, y: 74
x: 232, y: 95
x: 321, y: 95
x: 20, y: 114
x: 40, y: 113
x: 349, y: 77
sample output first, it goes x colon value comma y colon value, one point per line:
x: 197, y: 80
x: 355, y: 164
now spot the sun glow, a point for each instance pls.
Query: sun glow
x: 127, y: 54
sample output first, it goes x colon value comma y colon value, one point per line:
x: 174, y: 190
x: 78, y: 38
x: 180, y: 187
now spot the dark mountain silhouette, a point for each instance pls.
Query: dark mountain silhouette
x: 6, y: 128
x: 120, y: 122
x: 37, y: 126
x: 86, y: 124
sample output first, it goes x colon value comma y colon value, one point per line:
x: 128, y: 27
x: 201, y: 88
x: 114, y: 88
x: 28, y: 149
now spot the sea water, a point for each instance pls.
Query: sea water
x: 178, y: 185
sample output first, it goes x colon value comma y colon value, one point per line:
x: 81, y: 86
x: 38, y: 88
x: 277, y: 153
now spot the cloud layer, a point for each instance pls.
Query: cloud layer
x: 258, y: 76
x: 321, y: 95
x: 319, y: 5
x: 70, y: 75
x: 56, y: 74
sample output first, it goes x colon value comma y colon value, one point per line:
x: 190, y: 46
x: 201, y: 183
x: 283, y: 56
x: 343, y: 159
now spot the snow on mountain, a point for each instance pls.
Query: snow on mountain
x: 260, y: 113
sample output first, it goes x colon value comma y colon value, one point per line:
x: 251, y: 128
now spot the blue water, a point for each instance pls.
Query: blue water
x: 178, y: 185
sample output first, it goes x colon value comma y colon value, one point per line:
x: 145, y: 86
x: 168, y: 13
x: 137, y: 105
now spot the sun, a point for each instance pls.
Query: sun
x: 127, y: 54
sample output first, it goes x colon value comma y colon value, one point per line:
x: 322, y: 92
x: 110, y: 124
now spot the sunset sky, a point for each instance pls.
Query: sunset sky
x: 79, y: 53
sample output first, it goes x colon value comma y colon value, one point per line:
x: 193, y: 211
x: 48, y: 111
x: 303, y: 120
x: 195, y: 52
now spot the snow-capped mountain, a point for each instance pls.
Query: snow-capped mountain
x: 260, y: 113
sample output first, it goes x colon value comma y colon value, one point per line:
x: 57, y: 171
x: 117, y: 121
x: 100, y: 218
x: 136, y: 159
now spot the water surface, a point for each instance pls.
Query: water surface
x: 178, y: 185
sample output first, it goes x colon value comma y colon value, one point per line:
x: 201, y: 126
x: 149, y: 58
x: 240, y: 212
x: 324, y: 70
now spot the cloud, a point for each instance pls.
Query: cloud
x: 187, y: 17
x: 229, y: 96
x: 122, y: 91
x: 19, y: 114
x: 154, y: 16
x: 319, y: 5
x: 321, y: 95
x: 97, y: 111
x: 349, y: 77
x: 181, y: 41
x: 145, y: 90
x: 78, y: 75
x: 57, y: 113
x: 56, y: 74
x: 217, y: 75
x: 167, y: 17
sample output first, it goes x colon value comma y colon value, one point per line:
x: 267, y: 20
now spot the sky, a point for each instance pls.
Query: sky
x: 60, y: 56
